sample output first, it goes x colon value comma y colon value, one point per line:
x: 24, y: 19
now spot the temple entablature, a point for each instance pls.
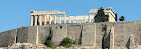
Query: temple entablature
x: 33, y: 12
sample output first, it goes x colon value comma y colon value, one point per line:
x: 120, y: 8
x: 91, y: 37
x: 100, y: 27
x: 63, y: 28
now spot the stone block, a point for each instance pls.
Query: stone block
x: 74, y: 32
x: 43, y: 33
x: 59, y: 32
x: 32, y: 34
x: 88, y: 35
x: 5, y: 38
x: 22, y: 35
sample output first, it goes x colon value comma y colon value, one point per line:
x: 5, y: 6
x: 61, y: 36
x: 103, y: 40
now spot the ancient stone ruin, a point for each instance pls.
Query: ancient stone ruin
x: 86, y: 33
x: 49, y: 17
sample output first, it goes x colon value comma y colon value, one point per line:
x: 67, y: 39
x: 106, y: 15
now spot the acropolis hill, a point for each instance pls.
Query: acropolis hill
x: 82, y: 29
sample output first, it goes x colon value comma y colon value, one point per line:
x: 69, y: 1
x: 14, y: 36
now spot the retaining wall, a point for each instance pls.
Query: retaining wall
x: 84, y: 34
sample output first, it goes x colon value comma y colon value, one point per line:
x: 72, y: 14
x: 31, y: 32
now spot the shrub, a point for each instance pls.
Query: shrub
x: 50, y: 44
x: 60, y: 27
x: 66, y: 42
x: 48, y: 41
x: 122, y: 18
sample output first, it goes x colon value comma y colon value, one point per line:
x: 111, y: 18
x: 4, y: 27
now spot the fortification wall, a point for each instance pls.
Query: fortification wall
x: 31, y: 36
x: 27, y: 35
x: 88, y: 35
x: 7, y: 37
x: 123, y: 31
x: 19, y: 35
x: 99, y: 34
x: 74, y: 32
x: 59, y: 33
x: 22, y: 34
x: 85, y: 34
x: 43, y: 33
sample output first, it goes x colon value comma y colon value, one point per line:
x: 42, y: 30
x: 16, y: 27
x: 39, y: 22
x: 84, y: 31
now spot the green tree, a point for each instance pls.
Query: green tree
x: 66, y: 42
x: 122, y: 18
x: 100, y: 16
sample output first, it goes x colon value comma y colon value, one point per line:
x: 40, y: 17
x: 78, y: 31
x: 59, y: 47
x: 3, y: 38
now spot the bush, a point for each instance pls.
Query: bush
x: 48, y: 41
x: 50, y: 44
x: 66, y: 42
x: 122, y: 18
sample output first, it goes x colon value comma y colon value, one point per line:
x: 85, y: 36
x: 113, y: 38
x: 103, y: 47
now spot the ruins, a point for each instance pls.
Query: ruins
x: 82, y: 29
x: 49, y: 17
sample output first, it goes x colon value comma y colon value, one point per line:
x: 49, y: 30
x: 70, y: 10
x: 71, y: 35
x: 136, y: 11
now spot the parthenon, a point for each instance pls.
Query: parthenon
x: 50, y: 17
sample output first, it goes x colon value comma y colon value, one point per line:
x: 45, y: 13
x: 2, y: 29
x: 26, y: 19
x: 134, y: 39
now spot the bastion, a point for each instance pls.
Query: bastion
x: 120, y: 34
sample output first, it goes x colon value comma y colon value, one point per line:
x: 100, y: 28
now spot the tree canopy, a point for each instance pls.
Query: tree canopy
x: 100, y: 16
x: 122, y: 18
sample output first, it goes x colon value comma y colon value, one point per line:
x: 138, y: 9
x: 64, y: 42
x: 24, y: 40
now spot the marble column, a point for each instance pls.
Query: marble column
x: 40, y: 20
x: 50, y: 19
x: 84, y: 21
x: 77, y: 21
x: 64, y: 18
x: 54, y: 18
x: 31, y: 23
x: 69, y: 19
x: 94, y: 16
x: 45, y: 22
x: 89, y: 17
x: 73, y: 21
x: 59, y: 18
x: 110, y: 17
x: 36, y: 20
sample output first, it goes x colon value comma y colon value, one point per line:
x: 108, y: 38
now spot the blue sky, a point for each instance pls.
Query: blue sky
x: 16, y: 13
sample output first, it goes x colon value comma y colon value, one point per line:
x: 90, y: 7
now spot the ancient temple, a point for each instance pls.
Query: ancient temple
x: 50, y: 17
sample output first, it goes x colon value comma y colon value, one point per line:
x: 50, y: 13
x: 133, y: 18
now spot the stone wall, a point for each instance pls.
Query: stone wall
x: 123, y: 31
x: 22, y: 35
x: 74, y: 33
x: 86, y: 34
x: 7, y: 37
x: 59, y: 32
x: 19, y: 35
x: 43, y: 33
x: 32, y: 33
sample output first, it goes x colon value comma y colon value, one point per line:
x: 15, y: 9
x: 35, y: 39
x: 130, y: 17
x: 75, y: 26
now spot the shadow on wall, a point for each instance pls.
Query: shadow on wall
x: 108, y: 40
x: 128, y: 43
